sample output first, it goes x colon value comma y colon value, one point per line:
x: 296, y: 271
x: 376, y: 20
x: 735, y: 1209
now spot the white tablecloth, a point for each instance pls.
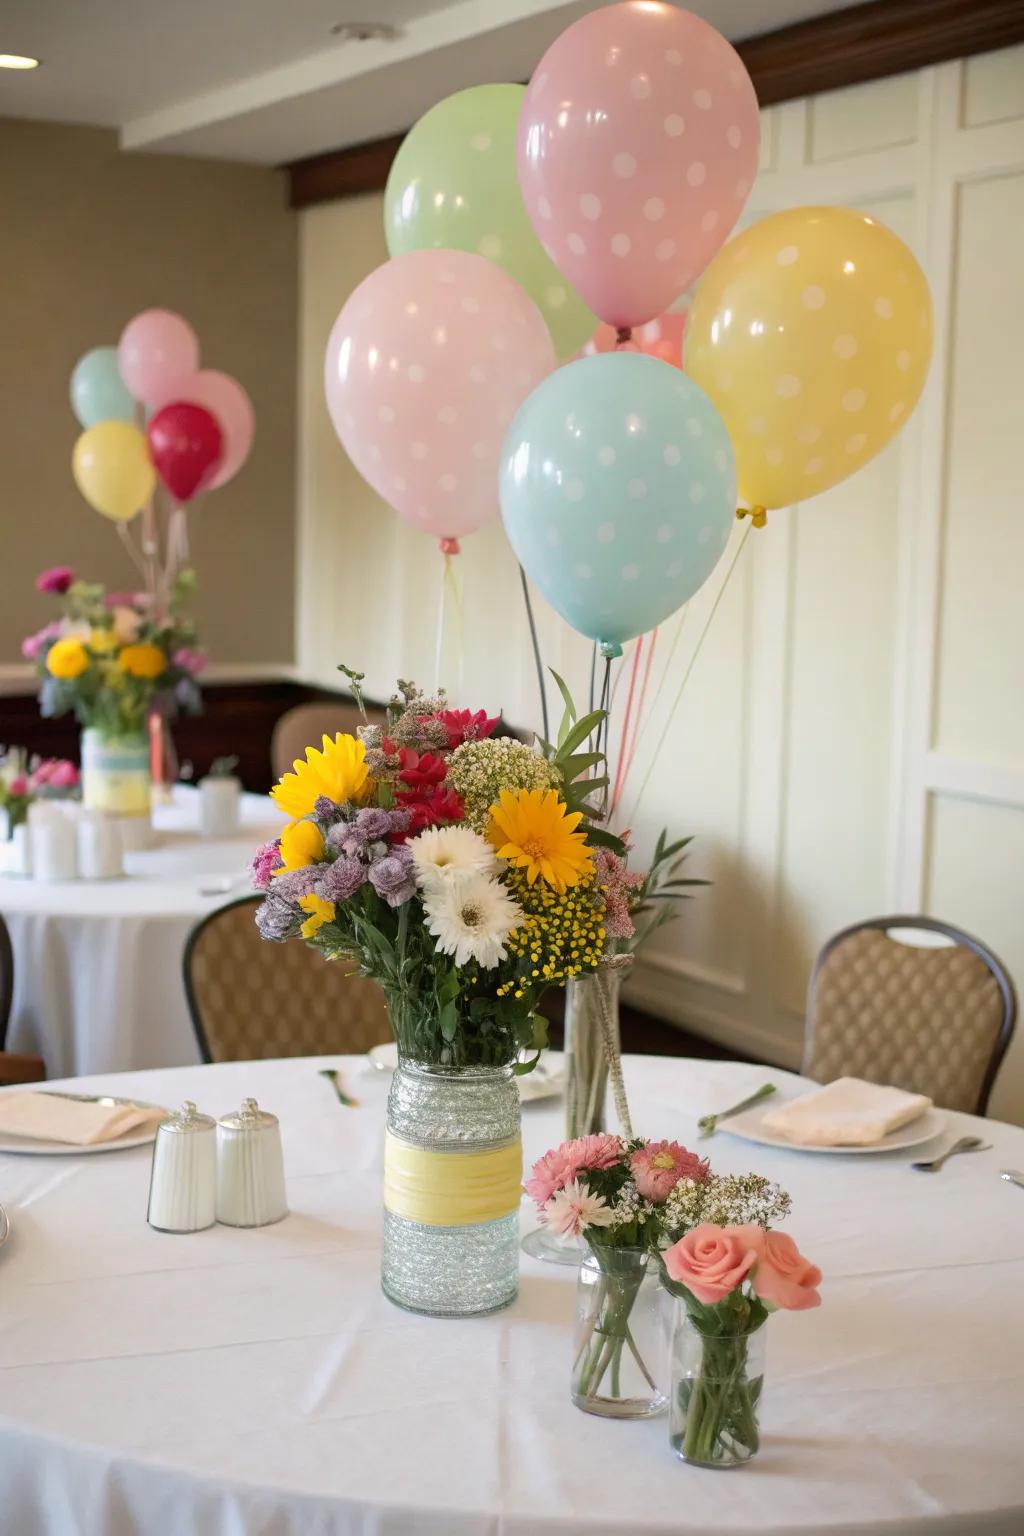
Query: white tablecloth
x: 97, y: 964
x: 256, y: 1383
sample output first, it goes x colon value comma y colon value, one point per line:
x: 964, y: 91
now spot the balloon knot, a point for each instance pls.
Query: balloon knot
x: 758, y: 515
x: 449, y: 547
x: 623, y: 334
x: 610, y: 649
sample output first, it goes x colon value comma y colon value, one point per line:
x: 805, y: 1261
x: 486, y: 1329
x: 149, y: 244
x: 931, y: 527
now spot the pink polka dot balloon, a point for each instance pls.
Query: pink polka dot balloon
x: 426, y: 366
x: 638, y: 147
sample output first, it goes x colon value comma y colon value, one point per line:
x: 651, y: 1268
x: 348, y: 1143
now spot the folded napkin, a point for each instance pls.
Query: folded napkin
x: 47, y: 1117
x: 846, y: 1113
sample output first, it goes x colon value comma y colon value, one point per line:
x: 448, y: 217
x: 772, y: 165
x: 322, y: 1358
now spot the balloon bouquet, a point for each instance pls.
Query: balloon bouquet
x: 606, y: 188
x: 152, y: 416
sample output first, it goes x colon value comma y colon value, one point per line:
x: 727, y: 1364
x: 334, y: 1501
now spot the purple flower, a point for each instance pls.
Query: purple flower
x: 275, y: 919
x: 189, y: 660
x: 392, y: 878
x: 341, y: 880
x: 325, y: 810
x: 298, y: 882
x: 343, y: 838
x: 373, y: 825
x: 264, y: 861
x: 57, y: 579
x: 33, y: 644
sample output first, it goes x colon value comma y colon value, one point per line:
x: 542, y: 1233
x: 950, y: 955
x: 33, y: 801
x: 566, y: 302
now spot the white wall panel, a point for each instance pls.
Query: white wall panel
x: 993, y: 87
x: 878, y: 115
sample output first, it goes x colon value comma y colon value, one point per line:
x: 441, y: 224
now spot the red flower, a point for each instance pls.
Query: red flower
x: 462, y: 725
x: 420, y: 771
x: 57, y: 579
x: 431, y: 809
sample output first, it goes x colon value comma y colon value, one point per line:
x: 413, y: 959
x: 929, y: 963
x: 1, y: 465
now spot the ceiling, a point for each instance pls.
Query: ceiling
x: 265, y: 81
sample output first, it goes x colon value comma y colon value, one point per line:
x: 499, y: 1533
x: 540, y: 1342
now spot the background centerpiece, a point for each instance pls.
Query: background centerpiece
x: 457, y: 869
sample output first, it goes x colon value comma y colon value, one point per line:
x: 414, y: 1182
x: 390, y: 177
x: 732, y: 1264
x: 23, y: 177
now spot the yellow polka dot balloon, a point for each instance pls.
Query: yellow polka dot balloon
x: 812, y: 334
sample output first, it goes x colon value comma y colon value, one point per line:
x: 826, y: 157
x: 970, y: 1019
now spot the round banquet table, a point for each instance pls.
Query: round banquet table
x: 97, y: 963
x: 257, y: 1381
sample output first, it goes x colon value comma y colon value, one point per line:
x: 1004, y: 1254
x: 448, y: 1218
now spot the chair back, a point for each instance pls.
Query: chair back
x: 6, y: 980
x: 307, y: 724
x: 250, y: 998
x: 933, y: 1016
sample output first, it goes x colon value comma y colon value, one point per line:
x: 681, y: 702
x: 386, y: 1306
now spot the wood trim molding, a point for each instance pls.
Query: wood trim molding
x: 847, y: 47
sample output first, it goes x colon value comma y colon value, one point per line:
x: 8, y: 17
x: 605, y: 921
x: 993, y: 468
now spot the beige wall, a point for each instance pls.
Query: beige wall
x: 89, y: 236
x: 850, y: 742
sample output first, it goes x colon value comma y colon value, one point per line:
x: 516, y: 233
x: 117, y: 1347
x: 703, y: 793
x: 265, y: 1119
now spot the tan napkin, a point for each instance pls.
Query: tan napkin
x: 846, y: 1113
x: 47, y: 1117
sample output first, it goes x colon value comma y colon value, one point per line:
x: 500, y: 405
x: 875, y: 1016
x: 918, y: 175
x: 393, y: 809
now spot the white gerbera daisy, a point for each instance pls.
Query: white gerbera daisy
x: 440, y: 853
x: 573, y: 1208
x: 471, y: 916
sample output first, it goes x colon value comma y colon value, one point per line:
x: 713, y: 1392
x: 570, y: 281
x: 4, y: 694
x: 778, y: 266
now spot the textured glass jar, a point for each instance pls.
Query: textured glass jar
x: 115, y: 773
x: 589, y: 1001
x: 452, y: 1183
x: 715, y: 1393
x: 620, y: 1352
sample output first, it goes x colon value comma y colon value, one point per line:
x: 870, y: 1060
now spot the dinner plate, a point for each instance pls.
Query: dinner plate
x: 28, y: 1146
x: 750, y: 1127
x: 544, y: 1082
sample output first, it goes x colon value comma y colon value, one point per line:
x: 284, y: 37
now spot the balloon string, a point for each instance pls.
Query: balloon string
x: 537, y: 661
x: 442, y: 599
x: 627, y: 716
x: 129, y: 544
x: 601, y: 741
x: 451, y: 576
x: 593, y: 678
x: 629, y: 753
x: 689, y: 668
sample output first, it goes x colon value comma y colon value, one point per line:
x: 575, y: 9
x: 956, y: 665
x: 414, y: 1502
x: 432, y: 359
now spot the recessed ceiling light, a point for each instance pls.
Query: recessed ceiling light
x: 18, y: 61
x: 364, y: 32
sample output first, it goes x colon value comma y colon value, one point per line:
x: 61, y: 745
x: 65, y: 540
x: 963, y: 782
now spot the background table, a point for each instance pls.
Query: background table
x: 97, y: 963
x: 257, y: 1381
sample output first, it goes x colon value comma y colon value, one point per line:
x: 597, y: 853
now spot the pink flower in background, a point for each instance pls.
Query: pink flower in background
x: 33, y: 644
x: 615, y: 882
x: 783, y: 1277
x: 121, y: 600
x: 571, y: 1209
x: 190, y: 661
x: 562, y: 1164
x: 126, y: 625
x: 57, y: 579
x: 55, y: 773
x: 266, y: 860
x: 18, y: 785
x: 712, y: 1261
x: 658, y: 1167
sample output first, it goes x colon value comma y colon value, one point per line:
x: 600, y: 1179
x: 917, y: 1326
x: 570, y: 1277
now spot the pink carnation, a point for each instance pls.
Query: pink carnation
x: 57, y: 578
x: 56, y: 773
x: 658, y: 1167
x: 189, y: 661
x: 18, y: 785
x: 562, y: 1164
x: 265, y: 861
x: 33, y: 644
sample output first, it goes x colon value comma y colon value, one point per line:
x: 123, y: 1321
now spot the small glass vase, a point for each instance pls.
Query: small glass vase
x: 621, y: 1344
x: 452, y: 1184
x: 115, y: 773
x: 715, y: 1394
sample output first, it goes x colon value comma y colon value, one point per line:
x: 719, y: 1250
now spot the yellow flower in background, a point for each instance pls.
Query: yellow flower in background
x: 102, y: 641
x: 67, y: 659
x: 320, y: 912
x: 300, y: 844
x: 339, y: 772
x: 147, y: 661
x: 532, y: 829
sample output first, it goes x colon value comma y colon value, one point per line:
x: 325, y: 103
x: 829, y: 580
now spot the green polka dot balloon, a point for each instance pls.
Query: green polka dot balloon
x: 618, y: 493
x: 453, y: 185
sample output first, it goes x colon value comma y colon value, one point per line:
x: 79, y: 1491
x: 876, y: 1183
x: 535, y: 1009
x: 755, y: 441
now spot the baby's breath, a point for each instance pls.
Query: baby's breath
x: 480, y: 770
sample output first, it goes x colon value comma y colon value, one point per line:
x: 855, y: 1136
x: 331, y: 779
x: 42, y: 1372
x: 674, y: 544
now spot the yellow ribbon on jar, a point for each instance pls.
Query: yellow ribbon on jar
x: 451, y: 1189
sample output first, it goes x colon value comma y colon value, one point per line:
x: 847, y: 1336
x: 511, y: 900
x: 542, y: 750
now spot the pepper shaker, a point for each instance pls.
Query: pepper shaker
x: 250, y: 1168
x: 183, y: 1179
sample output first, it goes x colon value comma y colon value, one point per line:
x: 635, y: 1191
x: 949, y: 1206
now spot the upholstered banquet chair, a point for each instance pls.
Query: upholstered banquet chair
x: 914, y: 1003
x: 250, y: 998
x: 307, y: 724
x: 15, y: 1067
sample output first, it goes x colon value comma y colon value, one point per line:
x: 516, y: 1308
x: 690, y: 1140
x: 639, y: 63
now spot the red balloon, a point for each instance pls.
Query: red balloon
x: 186, y: 445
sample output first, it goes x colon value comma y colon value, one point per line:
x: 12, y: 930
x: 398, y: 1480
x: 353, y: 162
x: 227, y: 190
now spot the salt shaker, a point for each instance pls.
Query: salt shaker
x: 99, y: 847
x: 183, y: 1180
x: 53, y: 843
x: 250, y: 1168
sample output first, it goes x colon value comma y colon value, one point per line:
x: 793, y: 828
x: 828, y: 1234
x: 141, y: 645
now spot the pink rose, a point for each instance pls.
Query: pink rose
x: 711, y: 1261
x: 658, y: 1167
x: 783, y: 1276
x: 57, y: 579
x: 62, y: 774
x: 18, y: 785
x: 126, y: 625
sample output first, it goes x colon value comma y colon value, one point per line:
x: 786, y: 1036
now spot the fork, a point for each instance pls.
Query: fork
x: 965, y: 1144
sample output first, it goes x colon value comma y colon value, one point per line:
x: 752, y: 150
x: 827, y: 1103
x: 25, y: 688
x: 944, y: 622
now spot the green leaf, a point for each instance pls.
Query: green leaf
x: 603, y: 839
x: 569, y: 713
x: 449, y: 1022
x: 579, y: 733
x: 573, y: 766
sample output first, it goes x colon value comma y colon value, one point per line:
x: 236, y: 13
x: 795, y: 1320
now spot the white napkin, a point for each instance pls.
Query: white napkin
x: 47, y: 1117
x: 846, y: 1113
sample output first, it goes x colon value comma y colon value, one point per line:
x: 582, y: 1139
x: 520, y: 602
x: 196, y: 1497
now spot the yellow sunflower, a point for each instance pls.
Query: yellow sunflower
x: 320, y: 912
x: 534, y: 831
x: 300, y: 844
x: 339, y: 772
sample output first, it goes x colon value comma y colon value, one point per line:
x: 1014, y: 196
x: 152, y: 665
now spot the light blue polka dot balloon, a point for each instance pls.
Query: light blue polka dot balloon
x: 98, y: 392
x: 618, y: 492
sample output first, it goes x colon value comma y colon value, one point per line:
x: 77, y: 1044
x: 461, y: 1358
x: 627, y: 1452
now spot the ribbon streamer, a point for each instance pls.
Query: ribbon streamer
x: 451, y: 1189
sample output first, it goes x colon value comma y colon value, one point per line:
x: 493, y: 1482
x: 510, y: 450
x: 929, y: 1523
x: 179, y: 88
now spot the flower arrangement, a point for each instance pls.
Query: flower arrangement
x: 23, y: 780
x: 630, y: 1199
x: 455, y: 867
x: 110, y: 655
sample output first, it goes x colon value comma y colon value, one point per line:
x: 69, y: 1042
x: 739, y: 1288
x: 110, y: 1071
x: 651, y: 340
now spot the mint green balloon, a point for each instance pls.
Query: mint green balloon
x: 453, y: 185
x: 98, y: 393
x: 618, y: 492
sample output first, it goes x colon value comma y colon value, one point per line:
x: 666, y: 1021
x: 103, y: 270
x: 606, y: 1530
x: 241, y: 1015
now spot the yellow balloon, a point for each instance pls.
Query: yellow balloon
x: 812, y: 334
x: 112, y: 469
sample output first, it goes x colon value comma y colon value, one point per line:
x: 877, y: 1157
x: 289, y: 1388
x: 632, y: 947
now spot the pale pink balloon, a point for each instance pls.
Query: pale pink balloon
x: 156, y: 349
x: 661, y: 338
x: 426, y: 366
x: 228, y: 402
x: 638, y: 146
